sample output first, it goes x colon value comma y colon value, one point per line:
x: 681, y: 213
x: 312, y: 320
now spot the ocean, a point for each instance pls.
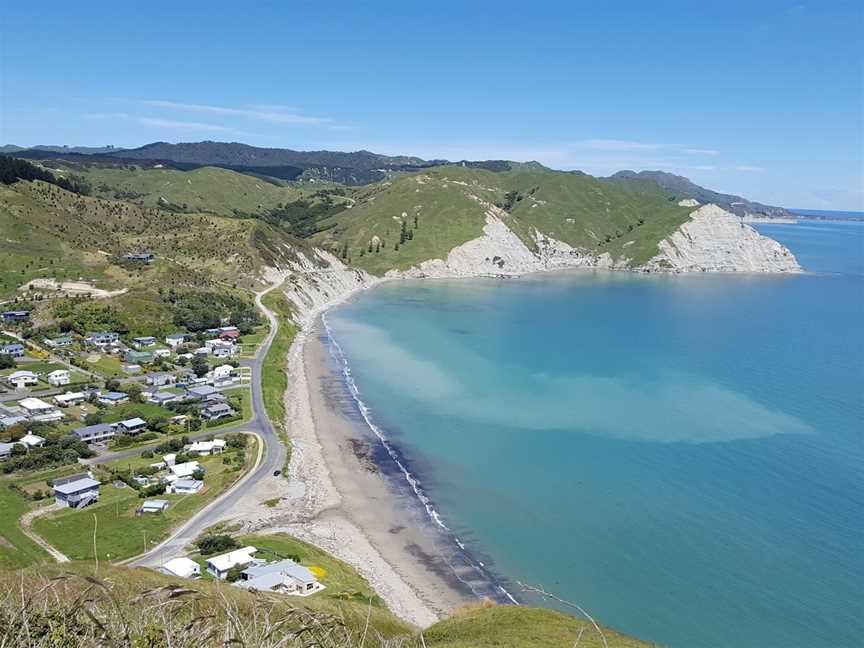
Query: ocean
x: 682, y: 456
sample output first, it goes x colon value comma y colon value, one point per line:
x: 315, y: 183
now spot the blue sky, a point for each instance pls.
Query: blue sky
x: 758, y: 98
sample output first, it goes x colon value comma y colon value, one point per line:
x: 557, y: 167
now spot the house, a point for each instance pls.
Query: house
x: 182, y: 568
x: 9, y: 421
x: 216, y: 411
x: 183, y: 470
x: 31, y: 440
x: 59, y: 377
x: 185, y: 486
x: 220, y: 565
x: 22, y: 379
x: 139, y: 357
x: 14, y: 350
x: 131, y: 369
x: 161, y: 398
x: 16, y: 316
x: 175, y: 339
x: 70, y: 398
x: 113, y: 398
x: 154, y: 506
x: 59, y: 342
x: 169, y: 459
x: 6, y: 450
x: 221, y: 373
x: 201, y: 392
x: 76, y: 492
x: 285, y: 576
x: 95, y: 433
x: 140, y: 257
x: 200, y: 351
x: 143, y: 342
x: 35, y: 407
x: 206, y: 448
x: 160, y: 379
x: 161, y: 353
x: 229, y: 335
x: 102, y: 338
x: 130, y: 426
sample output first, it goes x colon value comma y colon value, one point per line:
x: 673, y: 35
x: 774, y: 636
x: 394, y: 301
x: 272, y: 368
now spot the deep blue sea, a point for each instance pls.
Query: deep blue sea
x: 683, y: 456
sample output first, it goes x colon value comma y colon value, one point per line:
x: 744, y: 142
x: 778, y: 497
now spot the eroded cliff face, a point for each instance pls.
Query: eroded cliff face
x: 714, y: 240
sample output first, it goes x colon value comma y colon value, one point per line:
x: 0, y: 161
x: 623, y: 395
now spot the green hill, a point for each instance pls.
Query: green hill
x: 443, y: 207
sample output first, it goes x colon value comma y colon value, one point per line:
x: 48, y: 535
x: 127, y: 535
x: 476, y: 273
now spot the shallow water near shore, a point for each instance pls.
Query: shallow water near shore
x: 683, y: 456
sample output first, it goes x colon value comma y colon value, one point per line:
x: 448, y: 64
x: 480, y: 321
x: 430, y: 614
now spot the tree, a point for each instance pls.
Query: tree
x: 112, y: 384
x: 416, y: 222
x: 216, y: 543
x: 200, y: 366
x: 6, y: 361
x: 198, y: 474
x: 134, y: 390
x: 403, y: 233
x: 369, y: 249
x: 93, y: 418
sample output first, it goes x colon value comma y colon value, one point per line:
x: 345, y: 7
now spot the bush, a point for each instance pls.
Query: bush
x: 236, y: 440
x: 216, y: 544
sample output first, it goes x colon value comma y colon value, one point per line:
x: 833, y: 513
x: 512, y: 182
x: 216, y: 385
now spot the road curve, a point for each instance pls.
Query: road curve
x: 273, y: 459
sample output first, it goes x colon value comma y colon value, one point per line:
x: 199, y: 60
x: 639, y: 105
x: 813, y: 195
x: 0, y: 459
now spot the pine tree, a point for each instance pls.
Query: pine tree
x: 370, y: 246
x: 396, y: 247
x: 410, y: 235
x: 403, y: 233
x: 377, y: 247
x: 345, y: 251
x: 415, y: 221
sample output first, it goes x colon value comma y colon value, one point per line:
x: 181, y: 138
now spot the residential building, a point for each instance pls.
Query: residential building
x: 113, y: 398
x: 201, y: 392
x: 216, y: 411
x: 176, y: 339
x: 59, y: 342
x: 15, y: 350
x: 154, y: 506
x: 139, y: 357
x: 76, y: 492
x: 143, y: 342
x: 131, y: 369
x: 22, y: 378
x: 183, y: 470
x: 220, y: 565
x: 59, y: 377
x: 230, y: 335
x: 35, y: 406
x: 169, y: 459
x: 101, y: 338
x: 130, y: 426
x: 161, y: 353
x: 9, y: 421
x: 95, y: 433
x: 160, y: 379
x: 182, y: 568
x: 216, y: 446
x: 70, y: 398
x: 31, y: 440
x: 161, y: 398
x: 285, y: 576
x: 185, y: 486
x: 16, y: 316
x: 6, y: 450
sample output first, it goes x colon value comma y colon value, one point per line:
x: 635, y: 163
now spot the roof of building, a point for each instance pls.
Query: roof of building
x: 6, y: 447
x: 202, y: 390
x: 58, y: 371
x: 69, y: 488
x: 163, y: 396
x: 133, y: 422
x: 268, y: 575
x: 182, y: 567
x: 9, y: 421
x: 70, y: 396
x: 31, y: 439
x: 112, y: 395
x: 231, y: 559
x: 13, y: 347
x: 91, y: 430
x: 185, y: 469
x: 21, y: 374
x: 155, y: 504
x: 187, y: 484
x: 206, y: 446
x: 34, y: 404
x: 218, y: 408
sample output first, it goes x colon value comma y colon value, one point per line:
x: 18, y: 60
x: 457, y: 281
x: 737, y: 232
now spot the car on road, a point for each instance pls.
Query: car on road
x: 276, y: 473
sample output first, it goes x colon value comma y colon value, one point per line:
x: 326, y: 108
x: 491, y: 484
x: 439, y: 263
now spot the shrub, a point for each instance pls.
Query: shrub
x: 216, y: 544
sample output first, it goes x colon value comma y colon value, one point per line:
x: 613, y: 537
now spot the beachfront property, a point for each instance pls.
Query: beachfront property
x: 59, y: 342
x: 21, y: 379
x: 98, y: 433
x: 12, y: 350
x: 16, y: 316
x: 144, y: 342
x: 131, y: 426
x: 283, y: 576
x: 206, y: 448
x: 77, y: 491
x: 184, y: 486
x: 220, y: 565
x: 176, y: 339
x: 102, y: 338
x: 59, y: 377
x: 153, y: 506
x: 113, y: 398
x: 182, y: 568
x: 70, y: 398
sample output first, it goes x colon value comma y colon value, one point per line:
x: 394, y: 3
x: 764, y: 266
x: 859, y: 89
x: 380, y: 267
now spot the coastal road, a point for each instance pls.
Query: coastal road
x: 271, y: 459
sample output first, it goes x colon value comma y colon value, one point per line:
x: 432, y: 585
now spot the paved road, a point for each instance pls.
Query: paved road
x: 273, y: 459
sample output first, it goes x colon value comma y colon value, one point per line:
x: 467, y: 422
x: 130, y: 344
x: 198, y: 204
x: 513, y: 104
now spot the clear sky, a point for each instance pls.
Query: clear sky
x: 758, y: 98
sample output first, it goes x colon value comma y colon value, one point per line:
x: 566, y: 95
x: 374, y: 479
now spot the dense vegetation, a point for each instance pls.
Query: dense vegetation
x: 14, y: 169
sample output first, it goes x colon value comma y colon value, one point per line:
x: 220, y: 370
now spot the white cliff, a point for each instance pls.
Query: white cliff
x: 714, y: 240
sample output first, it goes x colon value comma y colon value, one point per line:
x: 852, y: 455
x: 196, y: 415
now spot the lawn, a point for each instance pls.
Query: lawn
x: 131, y: 410
x: 251, y: 341
x: 274, y: 377
x: 120, y: 533
x: 107, y: 366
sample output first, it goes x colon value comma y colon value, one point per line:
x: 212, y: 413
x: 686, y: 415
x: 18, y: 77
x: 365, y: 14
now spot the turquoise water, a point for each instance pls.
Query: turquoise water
x: 682, y: 456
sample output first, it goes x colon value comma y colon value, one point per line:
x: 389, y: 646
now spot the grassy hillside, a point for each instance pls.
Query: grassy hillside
x: 441, y: 207
x: 75, y: 604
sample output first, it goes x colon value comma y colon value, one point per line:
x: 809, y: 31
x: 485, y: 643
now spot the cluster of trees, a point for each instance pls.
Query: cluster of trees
x: 13, y: 169
x: 63, y: 451
x: 201, y: 310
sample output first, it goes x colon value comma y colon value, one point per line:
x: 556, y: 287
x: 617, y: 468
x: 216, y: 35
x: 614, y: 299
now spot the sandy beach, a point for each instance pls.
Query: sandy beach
x: 336, y: 498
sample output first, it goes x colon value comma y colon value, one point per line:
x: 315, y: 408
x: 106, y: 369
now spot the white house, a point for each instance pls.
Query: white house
x: 38, y: 410
x: 182, y: 568
x: 216, y: 446
x: 32, y: 440
x: 70, y: 398
x: 184, y: 470
x: 161, y: 353
x: 131, y: 426
x: 220, y: 565
x: 160, y: 379
x: 285, y: 576
x: 154, y: 506
x: 175, y: 339
x: 220, y: 348
x: 21, y: 379
x: 59, y: 377
x: 185, y: 486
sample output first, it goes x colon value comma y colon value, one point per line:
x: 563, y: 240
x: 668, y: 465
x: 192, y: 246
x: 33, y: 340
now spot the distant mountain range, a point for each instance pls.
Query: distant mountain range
x: 351, y: 168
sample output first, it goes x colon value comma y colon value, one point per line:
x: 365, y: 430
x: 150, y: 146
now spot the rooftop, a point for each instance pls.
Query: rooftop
x: 231, y: 559
x: 69, y: 488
